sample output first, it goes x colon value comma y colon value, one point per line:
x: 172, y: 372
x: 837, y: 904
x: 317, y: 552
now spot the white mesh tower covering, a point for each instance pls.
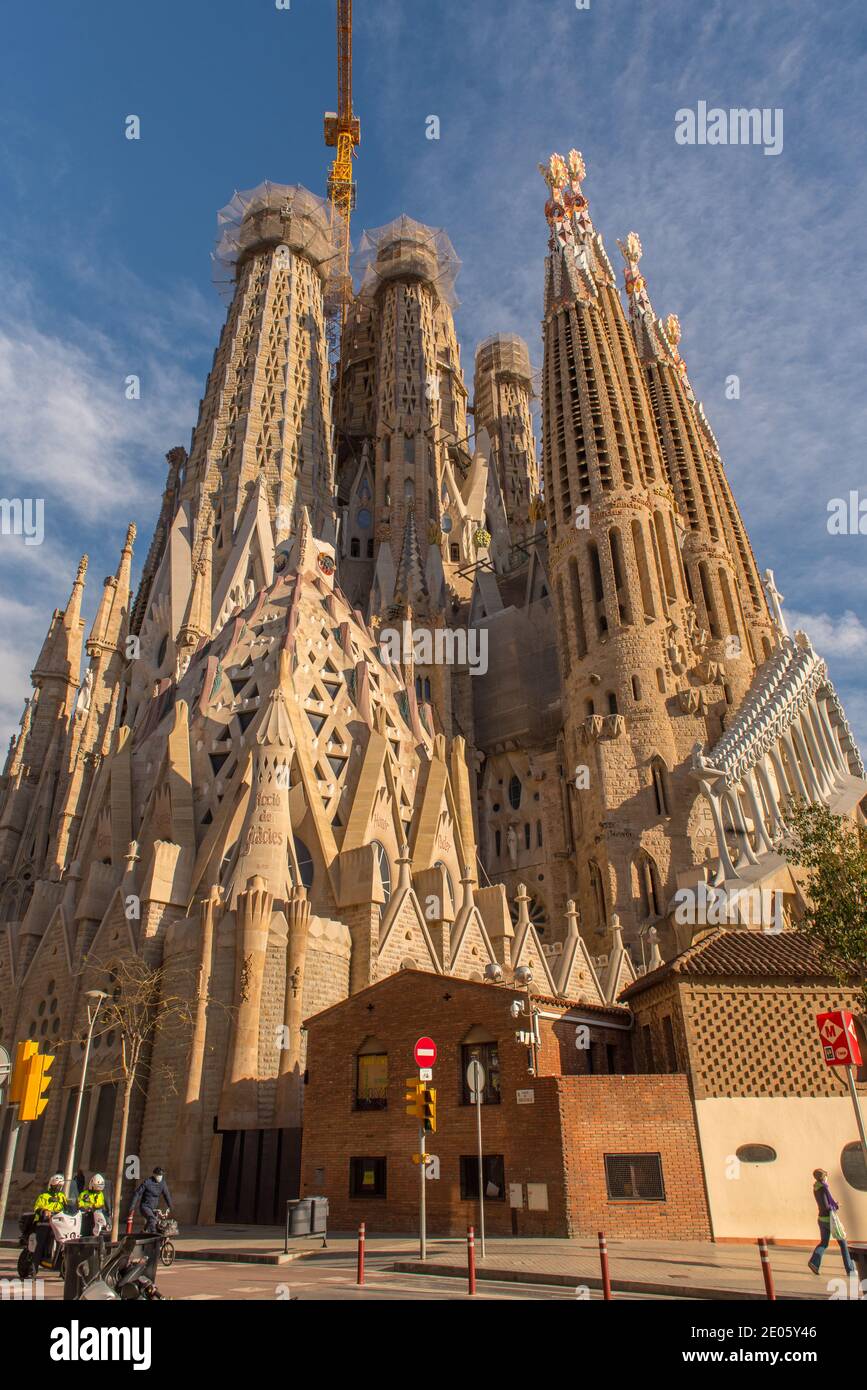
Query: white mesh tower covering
x: 278, y: 214
x: 505, y: 352
x: 406, y: 248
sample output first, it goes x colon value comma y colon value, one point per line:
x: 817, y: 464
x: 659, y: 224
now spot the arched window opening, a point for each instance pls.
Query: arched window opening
x: 612, y: 702
x: 659, y: 777
x: 384, y: 867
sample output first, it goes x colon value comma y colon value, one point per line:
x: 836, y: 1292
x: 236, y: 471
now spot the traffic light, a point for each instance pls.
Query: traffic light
x: 422, y: 1103
x: 414, y: 1089
x: 428, y: 1099
x: 21, y: 1068
x: 34, y: 1100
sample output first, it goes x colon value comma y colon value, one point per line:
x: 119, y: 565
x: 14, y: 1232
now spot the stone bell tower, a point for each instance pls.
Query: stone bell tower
x: 627, y: 630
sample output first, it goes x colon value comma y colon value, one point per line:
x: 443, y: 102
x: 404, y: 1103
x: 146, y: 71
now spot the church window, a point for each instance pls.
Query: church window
x: 497, y: 843
x: 305, y: 863
x: 643, y: 570
x: 427, y: 687
x: 659, y: 777
x: 454, y: 553
x: 538, y: 834
x: 598, y: 893
x: 446, y: 524
x: 527, y: 835
x: 636, y: 688
x: 612, y: 702
x: 364, y: 518
x: 163, y: 648
x: 384, y: 867
x: 515, y: 791
x: 354, y: 548
x: 409, y: 492
x: 589, y: 708
x: 660, y: 679
x: 370, y: 550
x: 577, y: 608
x: 487, y: 1052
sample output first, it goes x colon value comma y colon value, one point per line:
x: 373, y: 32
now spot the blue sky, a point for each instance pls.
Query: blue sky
x: 105, y: 242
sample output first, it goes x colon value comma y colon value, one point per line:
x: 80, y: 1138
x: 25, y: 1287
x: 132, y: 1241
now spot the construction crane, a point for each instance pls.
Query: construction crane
x: 343, y: 132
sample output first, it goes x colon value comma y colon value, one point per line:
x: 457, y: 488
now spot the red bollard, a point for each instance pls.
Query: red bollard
x: 471, y: 1260
x: 603, y: 1260
x: 359, y: 1278
x: 767, y: 1272
x: 129, y: 1224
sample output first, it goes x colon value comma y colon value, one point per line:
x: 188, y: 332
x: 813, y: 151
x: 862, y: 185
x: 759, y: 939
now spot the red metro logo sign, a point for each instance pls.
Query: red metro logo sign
x: 840, y: 1045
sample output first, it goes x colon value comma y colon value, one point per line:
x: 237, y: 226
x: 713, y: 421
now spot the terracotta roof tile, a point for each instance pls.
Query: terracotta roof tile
x: 727, y: 953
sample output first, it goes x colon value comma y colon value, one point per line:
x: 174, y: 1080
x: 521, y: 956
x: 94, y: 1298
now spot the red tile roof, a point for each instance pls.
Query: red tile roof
x: 739, y: 953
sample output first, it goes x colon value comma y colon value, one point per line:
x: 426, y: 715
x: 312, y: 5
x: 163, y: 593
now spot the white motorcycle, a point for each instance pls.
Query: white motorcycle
x: 65, y: 1226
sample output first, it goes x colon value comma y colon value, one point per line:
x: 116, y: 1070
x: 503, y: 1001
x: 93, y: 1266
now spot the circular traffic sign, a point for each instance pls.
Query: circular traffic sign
x: 476, y: 1077
x: 425, y: 1052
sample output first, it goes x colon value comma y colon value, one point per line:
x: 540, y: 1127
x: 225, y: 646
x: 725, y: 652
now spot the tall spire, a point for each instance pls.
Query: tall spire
x: 719, y: 563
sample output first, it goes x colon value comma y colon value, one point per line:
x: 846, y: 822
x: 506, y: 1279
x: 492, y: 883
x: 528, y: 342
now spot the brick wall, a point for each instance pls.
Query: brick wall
x: 631, y: 1114
x: 554, y: 1140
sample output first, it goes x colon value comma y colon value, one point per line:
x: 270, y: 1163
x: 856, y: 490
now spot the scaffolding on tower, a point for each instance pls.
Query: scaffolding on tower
x: 343, y: 134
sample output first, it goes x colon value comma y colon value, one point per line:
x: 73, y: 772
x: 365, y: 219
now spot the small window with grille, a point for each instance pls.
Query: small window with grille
x: 634, y: 1177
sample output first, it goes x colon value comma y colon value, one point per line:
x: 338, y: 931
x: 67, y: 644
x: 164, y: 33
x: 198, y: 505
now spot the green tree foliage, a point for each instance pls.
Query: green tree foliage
x: 832, y: 850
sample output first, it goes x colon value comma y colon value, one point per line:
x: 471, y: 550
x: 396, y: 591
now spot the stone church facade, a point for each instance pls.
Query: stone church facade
x: 237, y: 779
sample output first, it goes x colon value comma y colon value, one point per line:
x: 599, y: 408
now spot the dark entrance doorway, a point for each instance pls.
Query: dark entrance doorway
x: 260, y: 1170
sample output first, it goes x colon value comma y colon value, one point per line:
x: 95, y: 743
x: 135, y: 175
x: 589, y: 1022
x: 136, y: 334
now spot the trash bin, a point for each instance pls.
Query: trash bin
x: 81, y: 1261
x: 307, y: 1216
x: 318, y: 1216
x: 298, y: 1217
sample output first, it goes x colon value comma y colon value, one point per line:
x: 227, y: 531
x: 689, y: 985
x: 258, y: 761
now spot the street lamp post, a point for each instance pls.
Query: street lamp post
x: 98, y: 995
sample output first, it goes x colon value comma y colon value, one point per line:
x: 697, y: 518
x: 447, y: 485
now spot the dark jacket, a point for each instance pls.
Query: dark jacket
x: 150, y: 1192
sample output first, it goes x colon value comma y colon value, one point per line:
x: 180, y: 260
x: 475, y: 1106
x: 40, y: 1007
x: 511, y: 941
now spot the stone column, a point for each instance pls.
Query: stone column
x: 287, y: 1106
x: 763, y: 840
x: 187, y: 1147
x: 238, y: 1103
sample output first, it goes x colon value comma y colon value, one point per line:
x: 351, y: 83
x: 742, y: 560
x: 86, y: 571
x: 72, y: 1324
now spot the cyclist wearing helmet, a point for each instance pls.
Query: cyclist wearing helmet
x: 92, y: 1199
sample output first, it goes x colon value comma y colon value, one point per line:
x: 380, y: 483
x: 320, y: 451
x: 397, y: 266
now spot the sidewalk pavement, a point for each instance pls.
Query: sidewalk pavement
x: 679, y: 1269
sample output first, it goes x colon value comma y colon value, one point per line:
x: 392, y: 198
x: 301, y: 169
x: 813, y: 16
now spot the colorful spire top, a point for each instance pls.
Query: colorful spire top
x: 581, y: 265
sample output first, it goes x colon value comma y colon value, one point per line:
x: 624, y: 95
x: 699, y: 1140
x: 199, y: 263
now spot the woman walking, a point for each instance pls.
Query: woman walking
x: 829, y: 1224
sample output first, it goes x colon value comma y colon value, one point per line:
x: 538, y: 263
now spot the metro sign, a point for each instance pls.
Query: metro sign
x: 839, y: 1038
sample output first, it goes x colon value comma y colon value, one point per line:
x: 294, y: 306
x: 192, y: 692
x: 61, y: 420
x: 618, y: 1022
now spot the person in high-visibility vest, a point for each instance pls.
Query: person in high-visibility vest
x: 47, y: 1204
x: 91, y: 1200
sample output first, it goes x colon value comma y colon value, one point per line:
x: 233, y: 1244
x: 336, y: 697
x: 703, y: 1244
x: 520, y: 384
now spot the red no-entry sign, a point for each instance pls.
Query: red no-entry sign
x: 425, y: 1052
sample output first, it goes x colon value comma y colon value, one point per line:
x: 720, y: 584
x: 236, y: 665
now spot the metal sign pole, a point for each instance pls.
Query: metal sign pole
x: 423, y: 1195
x: 859, y: 1118
x: 9, y: 1160
x: 478, y: 1086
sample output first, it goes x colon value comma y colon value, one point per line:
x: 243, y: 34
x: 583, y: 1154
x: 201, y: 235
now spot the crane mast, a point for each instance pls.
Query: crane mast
x: 343, y: 133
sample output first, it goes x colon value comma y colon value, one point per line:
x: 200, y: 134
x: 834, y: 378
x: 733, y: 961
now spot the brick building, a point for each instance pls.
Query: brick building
x: 572, y: 1140
x: 737, y: 1011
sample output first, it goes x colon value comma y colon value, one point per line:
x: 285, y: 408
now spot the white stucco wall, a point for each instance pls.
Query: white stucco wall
x: 776, y: 1199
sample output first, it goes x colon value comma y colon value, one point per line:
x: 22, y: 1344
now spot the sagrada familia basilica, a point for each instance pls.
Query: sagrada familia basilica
x: 593, y: 705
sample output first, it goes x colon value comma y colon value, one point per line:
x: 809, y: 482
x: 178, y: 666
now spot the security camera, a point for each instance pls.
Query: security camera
x: 516, y: 1008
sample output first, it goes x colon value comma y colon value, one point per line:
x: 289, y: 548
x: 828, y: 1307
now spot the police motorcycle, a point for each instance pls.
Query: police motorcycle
x: 65, y: 1226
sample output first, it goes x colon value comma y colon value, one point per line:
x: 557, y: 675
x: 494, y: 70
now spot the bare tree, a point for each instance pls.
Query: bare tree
x: 140, y: 1007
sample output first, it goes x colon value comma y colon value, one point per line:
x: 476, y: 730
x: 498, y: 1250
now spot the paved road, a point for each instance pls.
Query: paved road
x: 326, y: 1280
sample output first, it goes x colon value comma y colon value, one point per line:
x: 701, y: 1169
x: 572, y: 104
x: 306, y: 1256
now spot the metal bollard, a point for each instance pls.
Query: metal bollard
x: 603, y: 1260
x: 767, y: 1272
x: 471, y: 1260
x: 359, y: 1277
